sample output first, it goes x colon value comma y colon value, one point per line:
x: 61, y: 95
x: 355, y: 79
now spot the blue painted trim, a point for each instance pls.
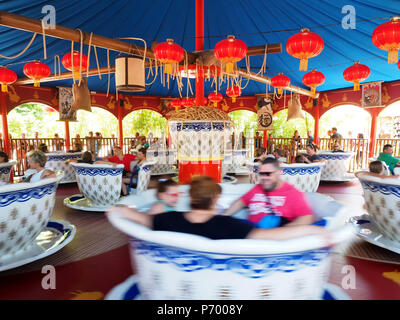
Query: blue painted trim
x: 7, y: 198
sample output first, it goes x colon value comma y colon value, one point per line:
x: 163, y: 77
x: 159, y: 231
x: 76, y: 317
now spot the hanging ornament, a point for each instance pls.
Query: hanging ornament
x: 176, y: 103
x: 73, y: 63
x: 36, y: 71
x: 7, y: 77
x: 387, y: 37
x: 280, y: 81
x: 230, y: 51
x: 304, y: 45
x: 169, y: 54
x: 188, y: 102
x: 313, y: 79
x: 215, y: 97
x: 356, y: 73
x: 233, y: 92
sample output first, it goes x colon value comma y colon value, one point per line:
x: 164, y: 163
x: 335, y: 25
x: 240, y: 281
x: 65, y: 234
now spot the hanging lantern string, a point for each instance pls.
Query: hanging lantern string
x: 44, y: 41
x: 90, y: 46
x: 72, y: 61
x: 57, y: 57
x: 108, y: 66
x: 80, y: 65
x: 144, y: 57
x: 97, y: 61
x: 23, y: 51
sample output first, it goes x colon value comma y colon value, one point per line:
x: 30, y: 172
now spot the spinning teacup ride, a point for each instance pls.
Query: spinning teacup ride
x: 58, y: 162
x: 99, y: 184
x: 27, y: 232
x: 5, y: 170
x: 381, y: 226
x: 336, y: 166
x: 172, y: 265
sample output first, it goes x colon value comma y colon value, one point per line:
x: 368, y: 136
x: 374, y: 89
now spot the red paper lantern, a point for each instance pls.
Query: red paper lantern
x: 73, y: 63
x: 215, y: 97
x: 387, y: 37
x: 169, y: 53
x: 188, y: 102
x: 356, y: 73
x: 233, y: 92
x: 313, y: 79
x: 7, y: 77
x: 36, y: 71
x: 304, y: 45
x: 280, y: 81
x: 176, y: 103
x: 230, y: 51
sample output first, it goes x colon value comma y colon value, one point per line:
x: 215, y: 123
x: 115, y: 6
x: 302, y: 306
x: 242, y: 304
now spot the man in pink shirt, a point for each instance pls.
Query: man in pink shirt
x: 274, y: 202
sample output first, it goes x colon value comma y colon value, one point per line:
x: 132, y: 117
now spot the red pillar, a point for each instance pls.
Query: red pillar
x: 316, y: 127
x: 265, y: 139
x: 199, y: 46
x: 6, y: 138
x: 67, y: 137
x: 374, y: 121
x: 120, y: 128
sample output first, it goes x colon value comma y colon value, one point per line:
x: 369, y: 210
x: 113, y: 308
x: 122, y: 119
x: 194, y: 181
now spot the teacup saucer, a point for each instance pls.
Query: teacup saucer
x: 53, y: 238
x: 79, y: 202
x: 366, y: 229
x: 129, y: 290
x: 345, y: 178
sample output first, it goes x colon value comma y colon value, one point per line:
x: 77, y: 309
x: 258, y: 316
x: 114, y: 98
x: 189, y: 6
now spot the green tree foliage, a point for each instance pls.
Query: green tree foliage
x: 99, y: 120
x: 246, y: 121
x: 35, y: 117
x: 144, y: 122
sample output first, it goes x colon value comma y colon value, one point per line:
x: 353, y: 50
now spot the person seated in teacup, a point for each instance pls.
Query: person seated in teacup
x: 279, y: 155
x: 89, y: 158
x: 387, y: 157
x: 300, y: 159
x: 312, y: 154
x: 43, y: 147
x: 167, y: 195
x: 273, y: 202
x: 37, y: 162
x: 131, y: 179
x: 3, y: 157
x: 203, y: 220
x: 120, y: 158
x: 76, y: 148
x: 376, y: 169
x: 337, y: 147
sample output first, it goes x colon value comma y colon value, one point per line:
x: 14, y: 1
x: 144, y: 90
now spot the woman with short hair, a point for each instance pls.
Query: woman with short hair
x: 37, y: 161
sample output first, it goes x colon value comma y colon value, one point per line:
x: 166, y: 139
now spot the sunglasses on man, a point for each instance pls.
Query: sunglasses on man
x: 266, y: 173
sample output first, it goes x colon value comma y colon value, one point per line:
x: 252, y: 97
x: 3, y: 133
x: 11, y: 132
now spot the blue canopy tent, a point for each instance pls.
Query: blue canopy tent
x: 253, y: 21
